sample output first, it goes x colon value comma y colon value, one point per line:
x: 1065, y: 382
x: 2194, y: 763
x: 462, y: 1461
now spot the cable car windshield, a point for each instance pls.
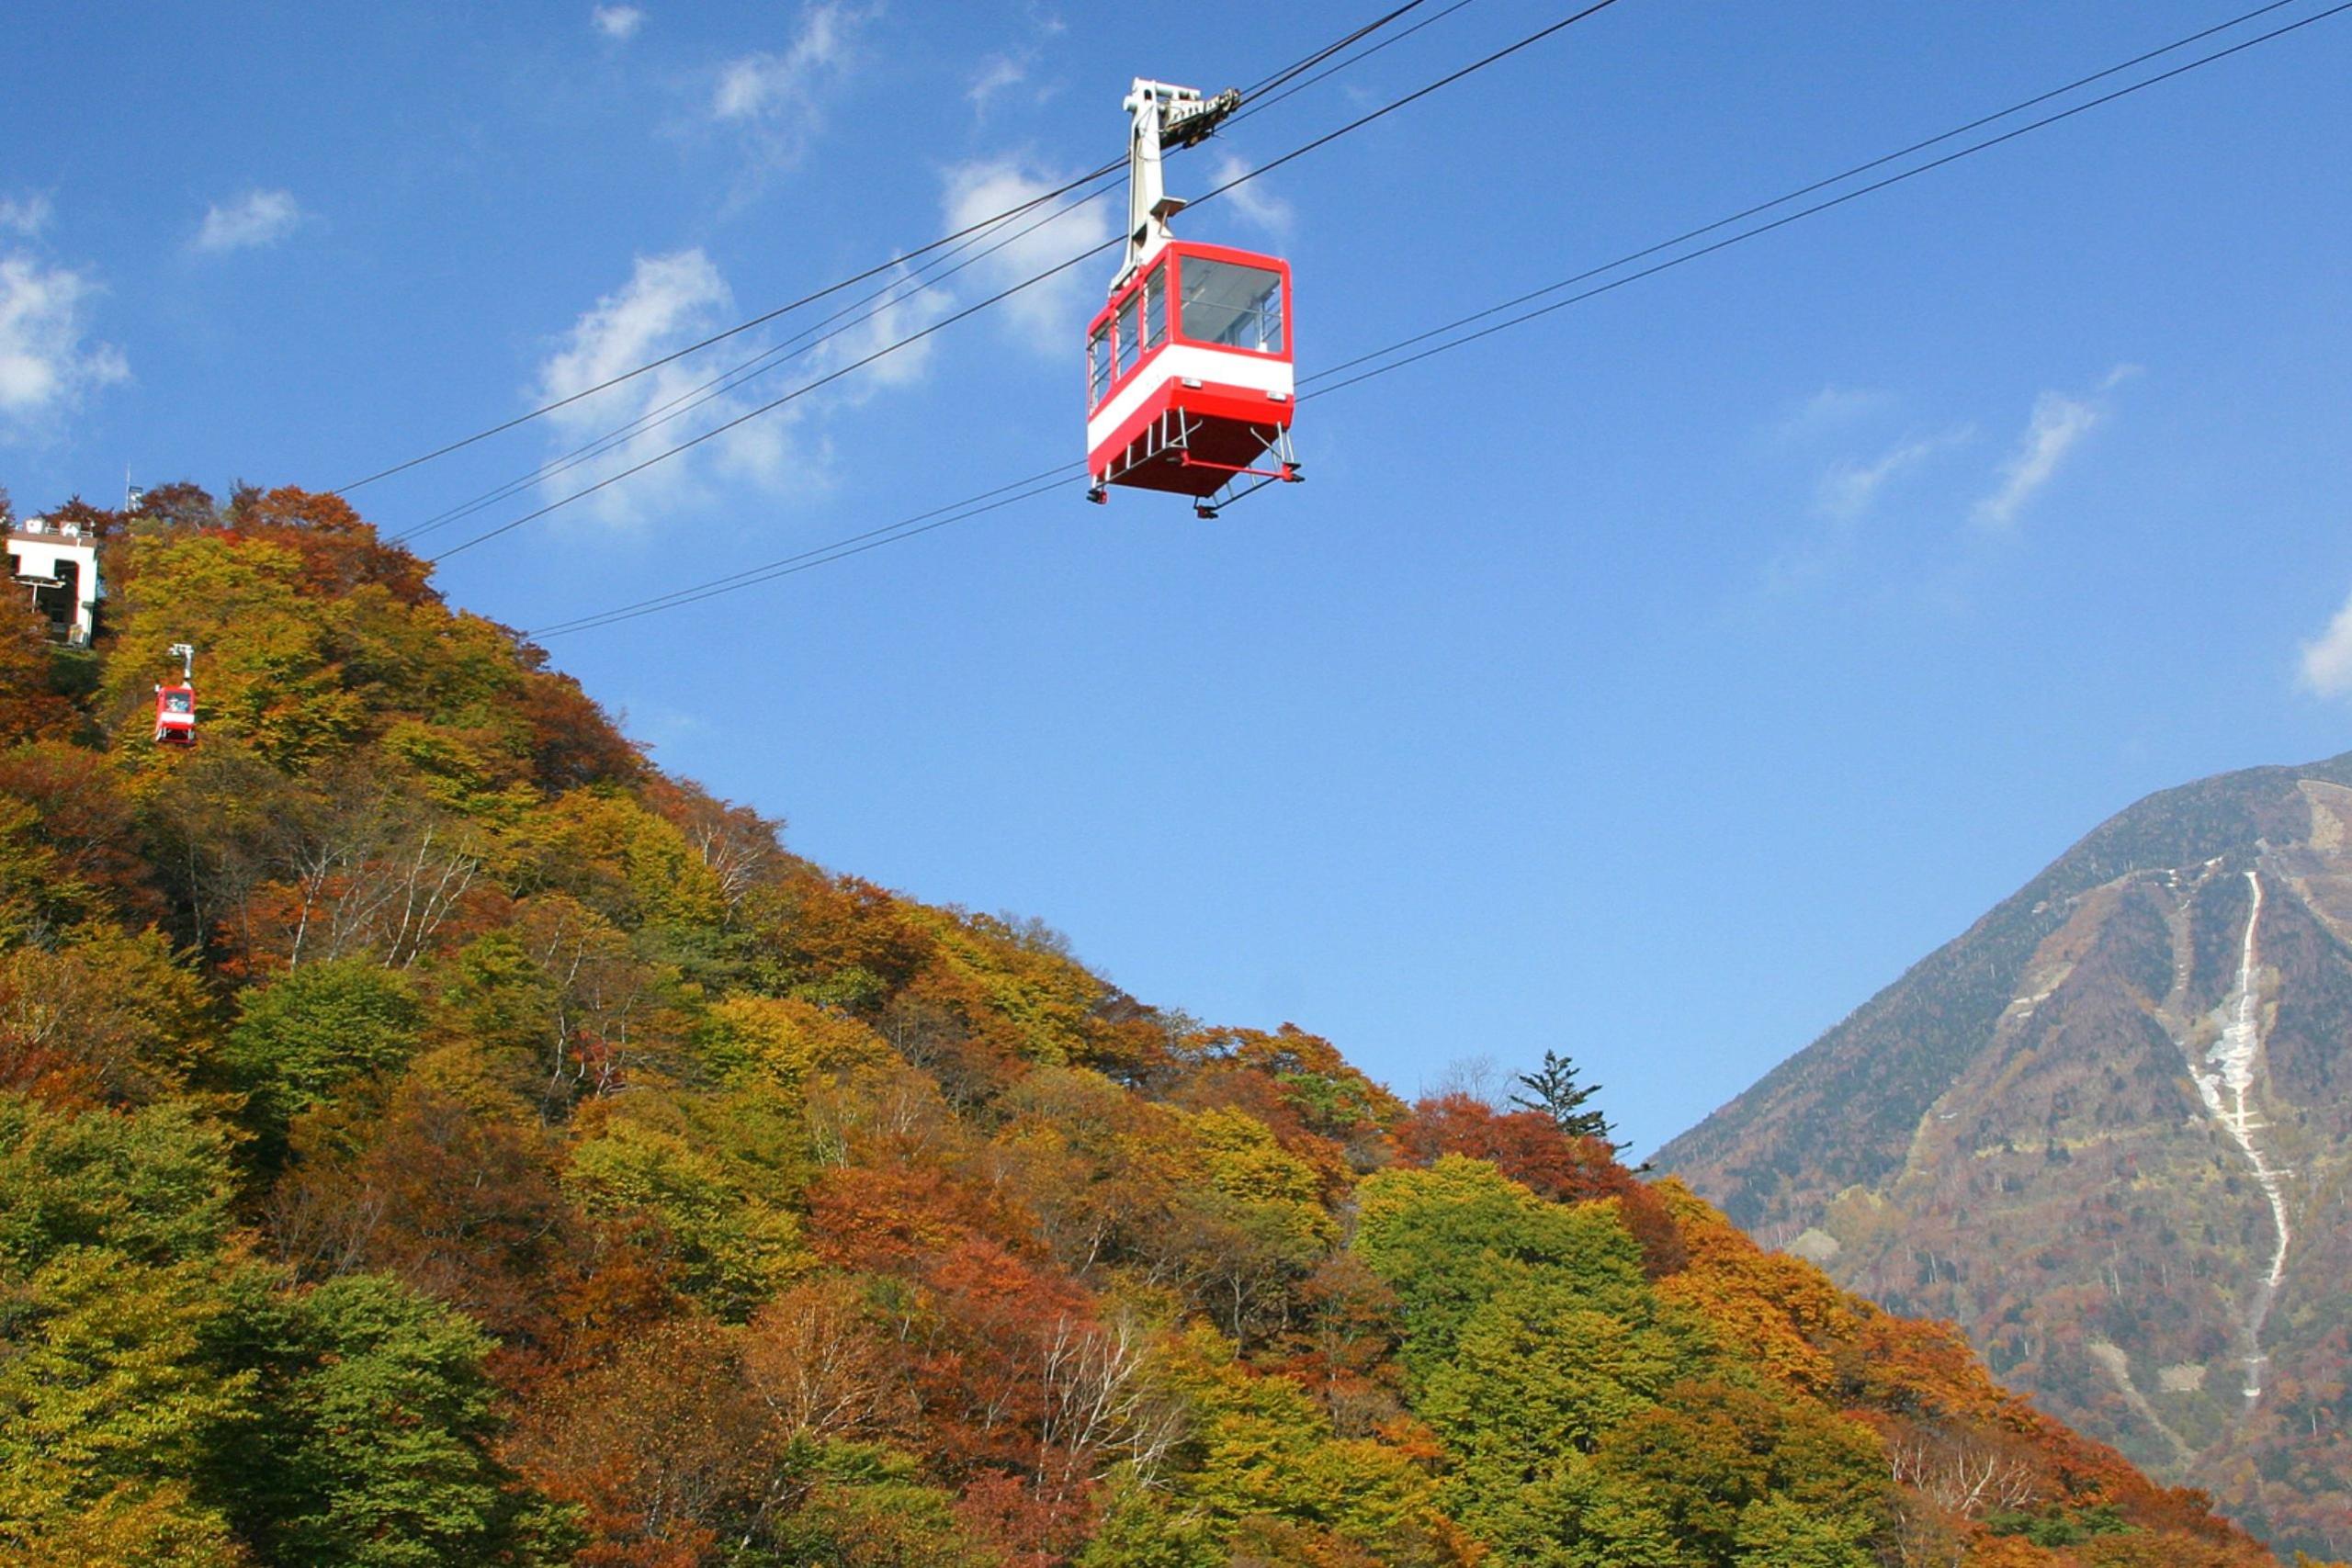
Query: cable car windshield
x: 1232, y: 305
x: 179, y: 702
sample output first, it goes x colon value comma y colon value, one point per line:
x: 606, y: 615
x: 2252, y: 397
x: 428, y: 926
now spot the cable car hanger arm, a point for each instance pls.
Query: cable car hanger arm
x: 1163, y: 116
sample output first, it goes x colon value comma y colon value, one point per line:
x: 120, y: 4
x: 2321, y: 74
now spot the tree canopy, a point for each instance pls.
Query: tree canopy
x: 429, y: 1133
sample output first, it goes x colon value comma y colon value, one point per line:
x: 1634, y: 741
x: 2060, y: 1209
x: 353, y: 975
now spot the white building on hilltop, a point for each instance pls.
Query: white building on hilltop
x: 58, y: 564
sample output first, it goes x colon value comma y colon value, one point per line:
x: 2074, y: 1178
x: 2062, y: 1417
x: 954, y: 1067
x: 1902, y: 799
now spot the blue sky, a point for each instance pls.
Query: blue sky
x: 1651, y: 684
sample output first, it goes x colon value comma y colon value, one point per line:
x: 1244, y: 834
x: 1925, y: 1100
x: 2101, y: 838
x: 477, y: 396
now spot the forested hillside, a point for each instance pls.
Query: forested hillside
x: 434, y: 1136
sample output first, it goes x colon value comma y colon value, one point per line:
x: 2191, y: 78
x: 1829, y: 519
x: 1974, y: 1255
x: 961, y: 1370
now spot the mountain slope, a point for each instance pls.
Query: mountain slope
x: 2106, y: 1130
x: 429, y: 1133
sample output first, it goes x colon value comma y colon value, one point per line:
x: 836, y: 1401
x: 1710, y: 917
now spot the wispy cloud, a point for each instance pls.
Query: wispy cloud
x: 2058, y: 425
x: 1851, y: 488
x: 1255, y: 202
x: 997, y: 73
x: 26, y: 217
x: 777, y: 100
x: 243, y: 222
x: 909, y: 308
x: 670, y: 301
x: 2327, y: 657
x: 48, y: 364
x: 1829, y: 409
x: 1024, y: 246
x: 618, y: 23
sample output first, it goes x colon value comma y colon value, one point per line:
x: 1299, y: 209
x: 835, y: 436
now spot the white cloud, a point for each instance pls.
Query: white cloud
x: 673, y: 301
x: 1851, y: 488
x: 256, y: 218
x: 1025, y: 245
x: 909, y: 308
x: 1831, y: 409
x: 665, y: 298
x: 2059, y: 424
x: 668, y: 302
x: 777, y: 100
x: 46, y: 363
x: 997, y: 72
x: 28, y: 216
x: 618, y: 23
x: 2327, y: 657
x: 1254, y: 201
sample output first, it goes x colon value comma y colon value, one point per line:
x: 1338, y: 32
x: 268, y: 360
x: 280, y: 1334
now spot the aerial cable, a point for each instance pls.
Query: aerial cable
x: 1786, y: 219
x: 1001, y: 295
x: 955, y: 512
x: 1803, y: 191
x: 829, y: 377
x: 1253, y: 103
x: 766, y: 316
x: 1414, y: 97
x: 741, y: 327
x: 910, y: 286
x: 1327, y: 51
x: 1061, y: 477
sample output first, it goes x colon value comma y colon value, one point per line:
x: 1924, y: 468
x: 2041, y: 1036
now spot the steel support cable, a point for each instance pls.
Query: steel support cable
x: 1414, y: 97
x: 774, y: 403
x: 1001, y: 295
x: 1257, y: 105
x: 721, y: 336
x: 744, y: 371
x: 752, y: 576
x: 825, y: 554
x: 1289, y: 71
x: 1786, y: 219
x: 1802, y: 191
x: 832, y: 288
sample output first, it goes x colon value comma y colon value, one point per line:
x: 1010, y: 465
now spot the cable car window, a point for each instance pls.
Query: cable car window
x: 1239, y: 307
x: 1128, y: 341
x: 1098, y: 364
x: 179, y: 702
x: 1155, y: 308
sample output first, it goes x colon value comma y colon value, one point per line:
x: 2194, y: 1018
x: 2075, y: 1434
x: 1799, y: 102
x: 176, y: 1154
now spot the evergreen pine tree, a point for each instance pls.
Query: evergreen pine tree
x: 1553, y: 1090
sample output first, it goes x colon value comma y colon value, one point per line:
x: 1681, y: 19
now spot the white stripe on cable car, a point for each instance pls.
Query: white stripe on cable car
x: 1192, y: 362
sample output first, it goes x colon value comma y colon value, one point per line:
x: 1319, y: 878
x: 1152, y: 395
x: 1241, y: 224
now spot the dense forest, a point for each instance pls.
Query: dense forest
x: 432, y: 1135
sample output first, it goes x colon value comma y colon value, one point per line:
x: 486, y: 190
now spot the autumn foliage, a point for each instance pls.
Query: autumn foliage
x: 429, y: 1134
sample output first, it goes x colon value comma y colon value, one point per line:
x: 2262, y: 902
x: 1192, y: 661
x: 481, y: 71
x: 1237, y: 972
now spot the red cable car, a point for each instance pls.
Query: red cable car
x: 1188, y: 365
x: 176, y: 705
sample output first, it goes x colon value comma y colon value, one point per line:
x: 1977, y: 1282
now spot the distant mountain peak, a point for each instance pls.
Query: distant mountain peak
x: 2106, y: 1129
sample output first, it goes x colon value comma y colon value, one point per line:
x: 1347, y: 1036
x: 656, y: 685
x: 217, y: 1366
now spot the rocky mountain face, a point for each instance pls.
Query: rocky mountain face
x: 2108, y: 1131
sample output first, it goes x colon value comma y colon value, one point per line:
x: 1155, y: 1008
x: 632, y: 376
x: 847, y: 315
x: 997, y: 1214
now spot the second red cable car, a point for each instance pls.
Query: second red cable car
x: 176, y: 705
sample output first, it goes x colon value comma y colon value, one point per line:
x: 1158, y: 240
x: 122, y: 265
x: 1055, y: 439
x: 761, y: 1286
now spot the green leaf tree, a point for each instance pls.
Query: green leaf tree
x: 113, y: 1237
x: 321, y: 1027
x: 373, y: 1443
